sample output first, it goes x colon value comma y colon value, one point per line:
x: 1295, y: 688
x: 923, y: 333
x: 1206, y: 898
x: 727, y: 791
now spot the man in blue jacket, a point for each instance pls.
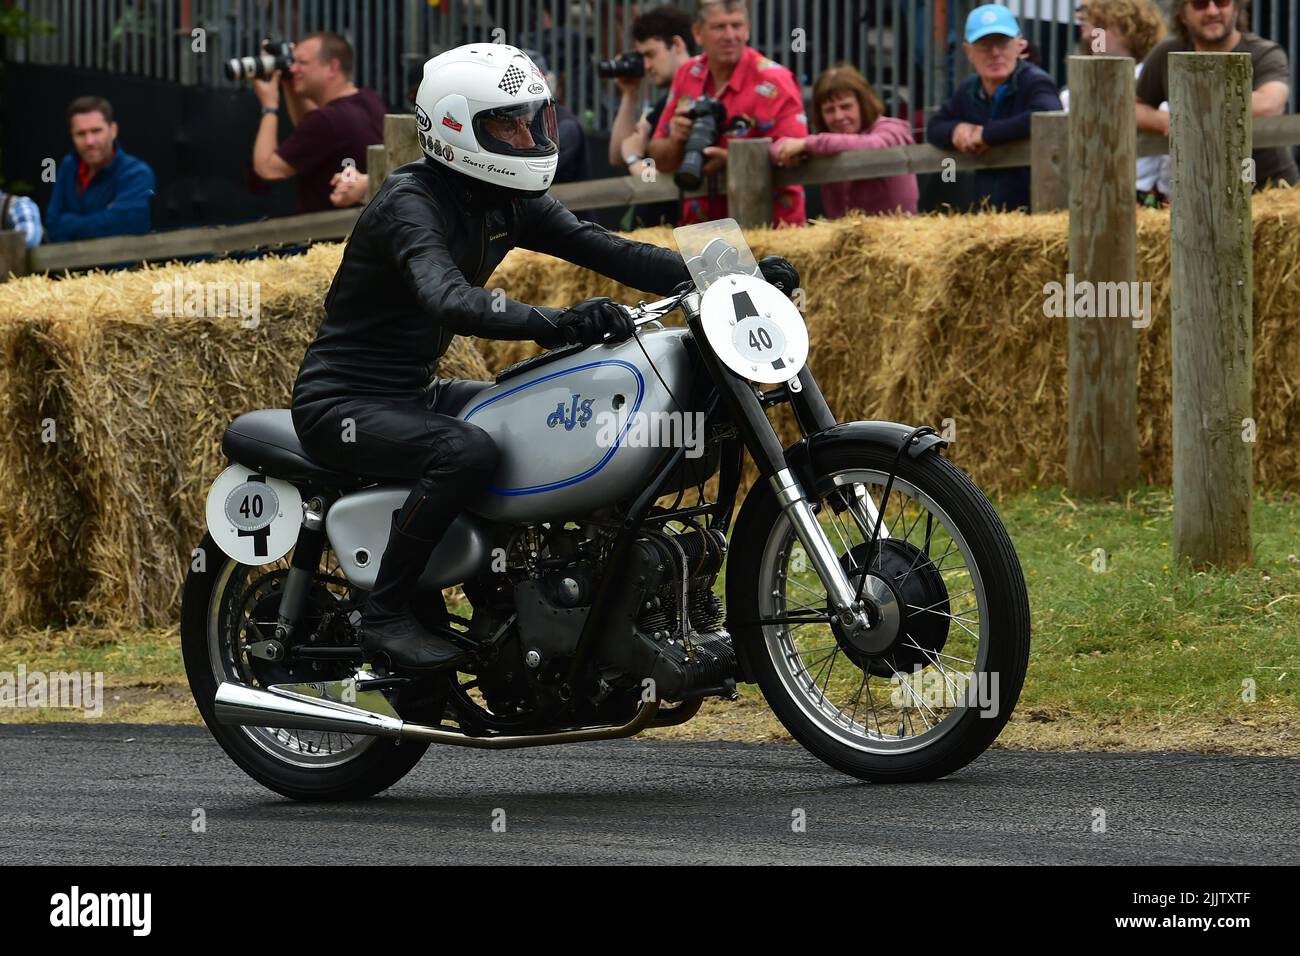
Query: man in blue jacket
x: 99, y: 190
x: 993, y: 107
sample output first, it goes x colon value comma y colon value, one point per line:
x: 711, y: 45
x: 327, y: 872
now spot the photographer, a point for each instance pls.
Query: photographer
x: 664, y: 41
x: 334, y: 122
x: 730, y: 90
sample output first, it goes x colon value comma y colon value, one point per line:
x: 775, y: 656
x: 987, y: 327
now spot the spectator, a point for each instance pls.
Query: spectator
x: 1129, y: 28
x: 1211, y: 27
x: 333, y: 120
x: 761, y: 98
x: 664, y: 39
x: 22, y: 214
x: 99, y: 189
x: 993, y: 106
x: 847, y: 114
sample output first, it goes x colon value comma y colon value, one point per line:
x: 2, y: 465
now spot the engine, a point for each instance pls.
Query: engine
x: 665, y: 622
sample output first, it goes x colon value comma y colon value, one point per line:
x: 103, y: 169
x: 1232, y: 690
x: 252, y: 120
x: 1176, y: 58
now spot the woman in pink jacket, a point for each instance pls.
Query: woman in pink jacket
x: 847, y: 114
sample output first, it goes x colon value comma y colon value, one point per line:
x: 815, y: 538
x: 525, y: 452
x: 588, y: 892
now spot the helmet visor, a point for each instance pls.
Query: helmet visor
x: 523, y: 129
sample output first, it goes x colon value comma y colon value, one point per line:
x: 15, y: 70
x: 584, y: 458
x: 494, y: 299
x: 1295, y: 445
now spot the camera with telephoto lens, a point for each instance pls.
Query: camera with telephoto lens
x: 274, y: 56
x: 630, y: 64
x: 710, y: 116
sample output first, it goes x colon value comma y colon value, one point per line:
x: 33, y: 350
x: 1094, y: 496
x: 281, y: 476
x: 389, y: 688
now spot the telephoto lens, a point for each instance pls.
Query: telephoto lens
x: 274, y: 56
x: 630, y: 64
x: 709, y: 116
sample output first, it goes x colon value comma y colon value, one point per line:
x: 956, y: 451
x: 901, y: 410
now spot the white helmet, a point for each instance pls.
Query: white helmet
x: 486, y: 110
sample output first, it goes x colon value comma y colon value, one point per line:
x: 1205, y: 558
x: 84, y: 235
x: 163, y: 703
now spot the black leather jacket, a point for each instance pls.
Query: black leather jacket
x: 413, y: 271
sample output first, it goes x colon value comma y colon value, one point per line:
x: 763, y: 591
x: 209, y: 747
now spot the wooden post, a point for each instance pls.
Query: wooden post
x: 376, y: 168
x: 1212, y: 299
x: 1102, y: 457
x: 400, y: 141
x: 13, y: 254
x: 750, y: 190
x: 1049, y: 143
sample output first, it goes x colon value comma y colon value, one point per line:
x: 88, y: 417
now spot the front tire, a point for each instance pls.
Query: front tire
x: 302, y: 765
x: 960, y: 618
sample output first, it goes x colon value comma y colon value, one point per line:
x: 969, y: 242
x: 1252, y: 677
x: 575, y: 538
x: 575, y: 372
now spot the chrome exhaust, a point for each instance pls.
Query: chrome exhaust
x: 294, y: 710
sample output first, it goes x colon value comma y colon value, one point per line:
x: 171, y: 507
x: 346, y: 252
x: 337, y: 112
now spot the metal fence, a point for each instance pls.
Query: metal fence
x: 909, y: 49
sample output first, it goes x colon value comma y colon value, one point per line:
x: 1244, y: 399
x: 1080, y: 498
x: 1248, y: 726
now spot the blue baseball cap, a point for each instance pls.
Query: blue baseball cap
x: 990, y: 19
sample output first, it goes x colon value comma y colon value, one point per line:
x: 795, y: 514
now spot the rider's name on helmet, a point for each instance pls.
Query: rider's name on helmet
x: 487, y: 167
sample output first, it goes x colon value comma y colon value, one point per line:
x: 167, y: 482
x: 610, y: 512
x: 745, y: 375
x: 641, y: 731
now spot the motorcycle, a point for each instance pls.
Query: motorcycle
x: 872, y: 592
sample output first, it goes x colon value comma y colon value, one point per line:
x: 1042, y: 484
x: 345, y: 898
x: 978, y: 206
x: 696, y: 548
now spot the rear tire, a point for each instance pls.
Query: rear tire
x: 374, y: 765
x: 1003, y: 620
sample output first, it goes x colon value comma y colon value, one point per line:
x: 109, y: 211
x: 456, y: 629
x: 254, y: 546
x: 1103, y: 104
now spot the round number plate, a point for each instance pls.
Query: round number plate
x: 253, y: 518
x: 754, y: 329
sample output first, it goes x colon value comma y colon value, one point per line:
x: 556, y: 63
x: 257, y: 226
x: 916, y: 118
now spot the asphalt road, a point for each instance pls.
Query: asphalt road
x: 100, y: 794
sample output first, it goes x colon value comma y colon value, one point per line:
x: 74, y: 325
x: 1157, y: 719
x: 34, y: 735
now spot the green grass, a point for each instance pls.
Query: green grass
x: 1146, y: 636
x: 1142, y: 643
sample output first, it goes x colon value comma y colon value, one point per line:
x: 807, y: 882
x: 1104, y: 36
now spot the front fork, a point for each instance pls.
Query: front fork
x: 748, y: 407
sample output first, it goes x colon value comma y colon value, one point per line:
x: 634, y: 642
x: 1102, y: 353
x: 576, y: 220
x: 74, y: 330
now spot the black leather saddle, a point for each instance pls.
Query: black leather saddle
x: 266, y: 441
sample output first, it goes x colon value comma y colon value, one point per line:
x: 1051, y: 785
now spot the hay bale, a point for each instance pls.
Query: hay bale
x: 140, y: 402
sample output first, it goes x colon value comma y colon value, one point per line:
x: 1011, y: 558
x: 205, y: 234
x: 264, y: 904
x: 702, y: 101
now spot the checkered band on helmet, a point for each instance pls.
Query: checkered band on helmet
x: 513, y: 79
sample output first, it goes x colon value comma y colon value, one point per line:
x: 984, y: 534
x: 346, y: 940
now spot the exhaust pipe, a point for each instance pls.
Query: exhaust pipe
x: 250, y: 707
x: 287, y: 709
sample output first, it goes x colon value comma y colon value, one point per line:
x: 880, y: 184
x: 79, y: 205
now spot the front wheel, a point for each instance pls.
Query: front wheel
x: 941, y: 671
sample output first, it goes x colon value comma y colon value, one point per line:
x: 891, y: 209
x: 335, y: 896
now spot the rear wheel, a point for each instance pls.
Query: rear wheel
x: 228, y: 605
x: 941, y: 672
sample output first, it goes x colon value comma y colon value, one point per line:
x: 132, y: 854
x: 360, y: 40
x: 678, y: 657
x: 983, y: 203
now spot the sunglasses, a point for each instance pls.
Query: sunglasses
x: 1199, y: 5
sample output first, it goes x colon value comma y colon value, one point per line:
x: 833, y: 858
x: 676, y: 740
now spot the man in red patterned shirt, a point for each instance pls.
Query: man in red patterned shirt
x: 762, y: 100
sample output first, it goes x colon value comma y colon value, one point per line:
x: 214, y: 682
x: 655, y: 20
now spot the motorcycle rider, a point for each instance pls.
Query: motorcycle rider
x: 366, y: 399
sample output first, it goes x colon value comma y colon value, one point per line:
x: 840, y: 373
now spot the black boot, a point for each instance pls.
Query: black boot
x: 388, y: 626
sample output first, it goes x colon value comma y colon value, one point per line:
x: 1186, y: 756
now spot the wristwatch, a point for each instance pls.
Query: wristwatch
x: 632, y: 158
x: 271, y: 110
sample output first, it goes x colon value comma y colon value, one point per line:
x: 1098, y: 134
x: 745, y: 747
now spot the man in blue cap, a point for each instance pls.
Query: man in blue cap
x: 993, y: 106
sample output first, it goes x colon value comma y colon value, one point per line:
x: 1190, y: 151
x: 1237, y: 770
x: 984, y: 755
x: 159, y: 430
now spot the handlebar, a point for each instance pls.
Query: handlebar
x: 646, y: 312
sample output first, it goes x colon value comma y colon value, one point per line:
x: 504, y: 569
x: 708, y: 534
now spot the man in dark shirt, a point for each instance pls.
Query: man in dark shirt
x: 334, y: 122
x: 664, y: 39
x: 1218, y: 28
x: 994, y: 106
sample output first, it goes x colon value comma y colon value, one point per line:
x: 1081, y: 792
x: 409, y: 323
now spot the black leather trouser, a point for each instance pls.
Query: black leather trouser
x: 416, y: 439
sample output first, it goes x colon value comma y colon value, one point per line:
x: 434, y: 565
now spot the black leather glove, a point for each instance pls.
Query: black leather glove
x: 779, y: 271
x: 588, y: 323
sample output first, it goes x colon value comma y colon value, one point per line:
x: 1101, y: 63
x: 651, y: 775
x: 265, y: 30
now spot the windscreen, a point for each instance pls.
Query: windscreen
x: 713, y: 250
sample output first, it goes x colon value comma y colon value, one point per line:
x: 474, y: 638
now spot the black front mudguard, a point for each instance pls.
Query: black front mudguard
x: 804, y: 458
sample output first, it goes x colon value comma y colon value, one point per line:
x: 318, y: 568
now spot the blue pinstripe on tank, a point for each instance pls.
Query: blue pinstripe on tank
x: 565, y: 483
